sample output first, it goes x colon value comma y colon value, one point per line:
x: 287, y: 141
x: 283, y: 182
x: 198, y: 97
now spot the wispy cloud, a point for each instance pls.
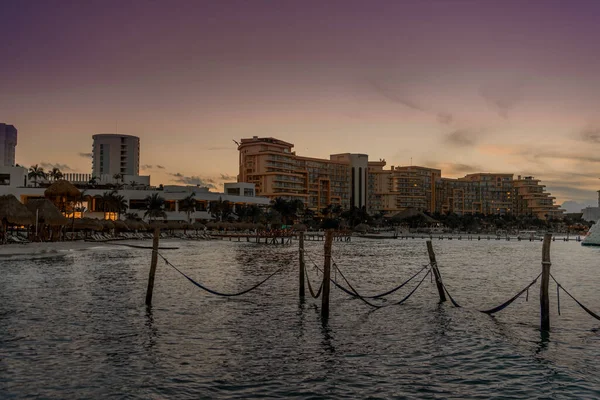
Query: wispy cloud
x: 503, y: 96
x: 192, y: 180
x: 150, y: 166
x: 62, y: 167
x: 404, y: 100
x: 227, y: 177
x: 461, y: 138
x: 85, y: 155
x: 590, y: 135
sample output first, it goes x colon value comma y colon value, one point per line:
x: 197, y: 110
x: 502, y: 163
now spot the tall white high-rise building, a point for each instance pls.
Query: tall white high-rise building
x: 8, y: 142
x: 115, y: 154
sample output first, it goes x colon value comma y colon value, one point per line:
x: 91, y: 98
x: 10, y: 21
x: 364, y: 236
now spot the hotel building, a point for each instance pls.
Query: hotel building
x: 276, y: 171
x: 115, y: 154
x: 8, y: 142
x: 531, y: 198
x: 399, y: 188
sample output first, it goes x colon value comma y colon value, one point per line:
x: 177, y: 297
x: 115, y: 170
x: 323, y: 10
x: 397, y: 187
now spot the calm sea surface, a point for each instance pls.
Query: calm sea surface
x: 75, y: 325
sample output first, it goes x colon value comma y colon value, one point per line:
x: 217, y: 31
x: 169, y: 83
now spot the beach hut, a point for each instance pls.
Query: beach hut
x: 362, y: 228
x: 212, y: 225
x: 299, y: 228
x: 47, y: 217
x: 120, y: 225
x: 13, y: 212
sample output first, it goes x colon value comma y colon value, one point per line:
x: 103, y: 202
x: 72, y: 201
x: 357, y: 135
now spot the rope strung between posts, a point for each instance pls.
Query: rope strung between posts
x: 214, y: 291
x: 414, y: 290
x: 587, y: 310
x: 394, y: 289
x: 310, y: 289
x: 355, y: 294
x: 501, y: 306
x: 354, y: 290
x: 509, y: 302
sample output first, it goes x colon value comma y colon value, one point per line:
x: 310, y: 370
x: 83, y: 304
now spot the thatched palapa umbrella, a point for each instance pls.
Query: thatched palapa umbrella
x: 46, y: 214
x: 120, y: 225
x: 13, y: 212
x: 198, y: 226
x: 62, y: 188
x: 362, y: 228
x: 299, y: 227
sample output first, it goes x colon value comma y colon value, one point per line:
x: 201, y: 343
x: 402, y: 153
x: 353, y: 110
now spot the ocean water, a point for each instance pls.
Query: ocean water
x: 75, y: 325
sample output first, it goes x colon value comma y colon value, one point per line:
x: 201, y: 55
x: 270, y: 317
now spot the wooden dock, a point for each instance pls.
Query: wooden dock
x: 280, y: 238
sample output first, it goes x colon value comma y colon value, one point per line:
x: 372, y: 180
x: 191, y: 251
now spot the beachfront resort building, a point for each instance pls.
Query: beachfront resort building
x: 8, y: 143
x: 115, y: 154
x: 352, y: 180
x: 399, y: 188
x: 277, y: 171
x: 92, y: 201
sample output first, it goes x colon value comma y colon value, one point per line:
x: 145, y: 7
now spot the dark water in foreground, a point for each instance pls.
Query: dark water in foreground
x: 75, y: 326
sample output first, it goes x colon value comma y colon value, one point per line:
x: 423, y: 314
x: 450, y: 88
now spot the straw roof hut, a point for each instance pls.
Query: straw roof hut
x: 198, y: 226
x: 62, y: 188
x: 107, y: 224
x: 88, y: 223
x: 212, y: 225
x: 410, y: 213
x: 120, y: 225
x: 132, y: 224
x: 158, y: 224
x: 362, y: 228
x: 47, y: 212
x: 14, y: 211
x: 299, y: 227
x: 172, y: 225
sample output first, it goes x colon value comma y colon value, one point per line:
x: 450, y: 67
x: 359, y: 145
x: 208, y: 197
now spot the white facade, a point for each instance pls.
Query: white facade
x: 115, y: 154
x: 591, y: 214
x: 15, y: 183
x: 8, y: 143
x: 239, y: 189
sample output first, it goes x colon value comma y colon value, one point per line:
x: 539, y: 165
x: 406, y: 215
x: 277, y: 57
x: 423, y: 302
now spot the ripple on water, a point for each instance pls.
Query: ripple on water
x: 75, y: 325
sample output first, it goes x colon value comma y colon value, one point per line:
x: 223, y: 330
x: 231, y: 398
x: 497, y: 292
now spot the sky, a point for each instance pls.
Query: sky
x: 465, y: 86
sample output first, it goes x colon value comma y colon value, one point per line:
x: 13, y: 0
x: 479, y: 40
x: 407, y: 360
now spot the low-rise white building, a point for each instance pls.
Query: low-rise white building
x: 13, y: 180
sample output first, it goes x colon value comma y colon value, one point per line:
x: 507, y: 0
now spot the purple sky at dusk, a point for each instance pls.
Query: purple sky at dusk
x: 467, y: 86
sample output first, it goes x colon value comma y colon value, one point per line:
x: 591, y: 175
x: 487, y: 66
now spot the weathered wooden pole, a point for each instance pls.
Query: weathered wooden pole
x: 436, y: 272
x: 544, y: 299
x: 301, y: 261
x: 326, y: 275
x: 152, y: 266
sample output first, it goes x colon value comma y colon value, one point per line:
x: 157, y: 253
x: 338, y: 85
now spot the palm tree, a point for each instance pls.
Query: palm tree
x: 133, y: 184
x: 55, y: 174
x: 120, y: 204
x: 119, y: 177
x: 93, y: 181
x: 188, y: 205
x: 155, y: 205
x: 220, y: 209
x: 287, y: 209
x: 35, y: 173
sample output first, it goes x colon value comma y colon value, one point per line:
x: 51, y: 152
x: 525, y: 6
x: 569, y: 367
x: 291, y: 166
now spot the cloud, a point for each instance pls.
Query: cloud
x: 503, y: 96
x: 457, y: 168
x: 86, y: 155
x: 574, y: 206
x: 461, y: 138
x: 217, y: 148
x: 227, y: 177
x: 192, y: 180
x: 150, y: 166
x: 441, y: 117
x: 591, y: 135
x: 62, y: 167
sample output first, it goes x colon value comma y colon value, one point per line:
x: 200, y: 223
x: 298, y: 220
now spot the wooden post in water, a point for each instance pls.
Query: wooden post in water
x: 544, y: 299
x: 436, y: 272
x: 326, y: 274
x: 301, y: 261
x: 152, y: 266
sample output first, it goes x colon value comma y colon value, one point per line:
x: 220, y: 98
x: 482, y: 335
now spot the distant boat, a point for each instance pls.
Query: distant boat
x: 593, y: 236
